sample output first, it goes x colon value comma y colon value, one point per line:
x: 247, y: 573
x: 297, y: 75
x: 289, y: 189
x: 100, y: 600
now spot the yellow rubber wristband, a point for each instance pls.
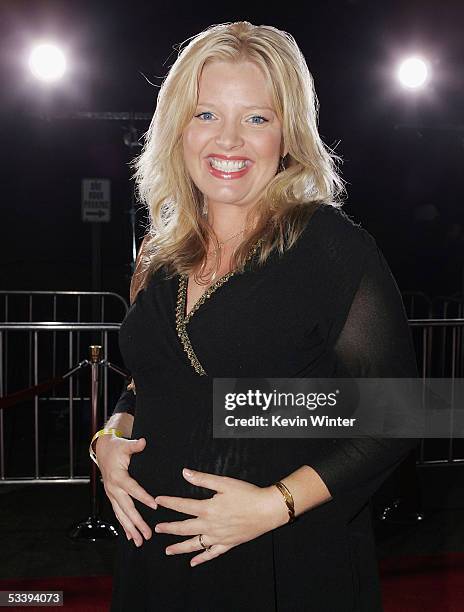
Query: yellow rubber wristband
x: 103, y: 432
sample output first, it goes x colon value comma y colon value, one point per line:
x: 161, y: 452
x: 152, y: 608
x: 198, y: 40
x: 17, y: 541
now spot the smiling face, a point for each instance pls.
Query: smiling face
x: 232, y: 144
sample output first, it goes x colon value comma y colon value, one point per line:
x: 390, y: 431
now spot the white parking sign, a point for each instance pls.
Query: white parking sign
x: 96, y: 200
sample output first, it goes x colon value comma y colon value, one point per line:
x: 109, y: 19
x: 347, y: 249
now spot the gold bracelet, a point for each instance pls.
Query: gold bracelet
x: 103, y: 432
x: 288, y: 497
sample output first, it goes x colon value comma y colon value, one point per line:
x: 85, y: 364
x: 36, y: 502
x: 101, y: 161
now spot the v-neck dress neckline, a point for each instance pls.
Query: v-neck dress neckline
x: 182, y: 317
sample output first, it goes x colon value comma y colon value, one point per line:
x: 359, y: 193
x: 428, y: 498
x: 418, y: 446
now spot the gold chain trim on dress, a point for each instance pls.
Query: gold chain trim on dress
x: 180, y: 326
x: 182, y: 318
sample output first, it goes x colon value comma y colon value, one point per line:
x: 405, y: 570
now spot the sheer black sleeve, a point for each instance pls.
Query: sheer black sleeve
x: 375, y: 342
x: 126, y: 402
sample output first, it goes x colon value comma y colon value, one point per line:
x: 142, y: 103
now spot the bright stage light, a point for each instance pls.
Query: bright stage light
x: 47, y: 62
x: 413, y: 73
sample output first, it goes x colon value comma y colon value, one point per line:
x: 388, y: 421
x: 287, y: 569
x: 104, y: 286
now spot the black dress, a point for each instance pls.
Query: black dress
x: 327, y: 307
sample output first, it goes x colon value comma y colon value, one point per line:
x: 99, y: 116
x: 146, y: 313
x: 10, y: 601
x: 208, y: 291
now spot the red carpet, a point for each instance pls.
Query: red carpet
x: 89, y: 594
x: 433, y: 583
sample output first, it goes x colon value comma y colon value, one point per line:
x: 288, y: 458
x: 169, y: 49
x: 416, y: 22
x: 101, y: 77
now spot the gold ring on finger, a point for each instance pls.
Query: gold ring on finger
x: 202, y: 544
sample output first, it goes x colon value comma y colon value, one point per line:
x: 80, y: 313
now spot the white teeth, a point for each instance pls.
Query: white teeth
x: 227, y: 166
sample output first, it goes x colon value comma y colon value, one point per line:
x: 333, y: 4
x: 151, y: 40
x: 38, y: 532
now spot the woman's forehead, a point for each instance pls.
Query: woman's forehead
x: 244, y: 81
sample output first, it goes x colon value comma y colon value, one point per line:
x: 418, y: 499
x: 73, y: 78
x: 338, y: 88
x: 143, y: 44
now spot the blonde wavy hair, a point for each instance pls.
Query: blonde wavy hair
x: 178, y: 234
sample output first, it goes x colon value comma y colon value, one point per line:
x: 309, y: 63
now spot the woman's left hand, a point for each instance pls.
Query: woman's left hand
x: 238, y: 512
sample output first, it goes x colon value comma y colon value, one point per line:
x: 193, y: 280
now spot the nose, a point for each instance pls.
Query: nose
x: 229, y: 136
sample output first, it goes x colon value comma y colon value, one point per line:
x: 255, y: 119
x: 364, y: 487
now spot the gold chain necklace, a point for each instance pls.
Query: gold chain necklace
x: 204, y: 279
x: 221, y: 244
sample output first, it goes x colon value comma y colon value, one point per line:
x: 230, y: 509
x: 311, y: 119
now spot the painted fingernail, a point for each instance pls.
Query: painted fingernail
x: 193, y: 563
x: 168, y: 552
x: 157, y: 529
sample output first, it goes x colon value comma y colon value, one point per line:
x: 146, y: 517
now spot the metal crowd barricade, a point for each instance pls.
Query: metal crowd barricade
x: 437, y: 326
x: 417, y: 304
x: 449, y: 307
x: 56, y: 306
x: 438, y: 344
x: 20, y: 425
x: 73, y: 306
x: 32, y: 351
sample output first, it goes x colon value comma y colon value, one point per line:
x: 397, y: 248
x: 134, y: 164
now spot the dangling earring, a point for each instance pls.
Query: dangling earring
x: 281, y: 163
x: 204, y: 212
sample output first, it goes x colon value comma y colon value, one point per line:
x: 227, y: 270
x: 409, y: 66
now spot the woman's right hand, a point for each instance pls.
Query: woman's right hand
x: 113, y: 456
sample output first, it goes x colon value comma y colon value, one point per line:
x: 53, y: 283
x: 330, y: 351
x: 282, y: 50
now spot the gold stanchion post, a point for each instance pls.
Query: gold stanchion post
x: 94, y: 528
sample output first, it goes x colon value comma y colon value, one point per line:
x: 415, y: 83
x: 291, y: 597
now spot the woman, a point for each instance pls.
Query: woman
x: 250, y: 269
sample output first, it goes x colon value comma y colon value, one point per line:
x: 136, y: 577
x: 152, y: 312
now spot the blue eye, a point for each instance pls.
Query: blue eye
x: 204, y: 113
x: 264, y: 120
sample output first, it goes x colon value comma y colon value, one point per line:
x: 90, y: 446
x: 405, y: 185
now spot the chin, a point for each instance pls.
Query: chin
x: 226, y: 199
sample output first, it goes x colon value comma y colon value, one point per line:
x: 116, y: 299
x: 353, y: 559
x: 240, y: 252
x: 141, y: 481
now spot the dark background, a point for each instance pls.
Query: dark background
x: 395, y: 177
x: 115, y: 49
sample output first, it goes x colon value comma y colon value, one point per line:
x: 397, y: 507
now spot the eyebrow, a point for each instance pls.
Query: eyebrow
x: 247, y: 107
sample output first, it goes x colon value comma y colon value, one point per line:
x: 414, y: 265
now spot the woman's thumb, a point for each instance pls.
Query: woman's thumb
x: 136, y: 446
